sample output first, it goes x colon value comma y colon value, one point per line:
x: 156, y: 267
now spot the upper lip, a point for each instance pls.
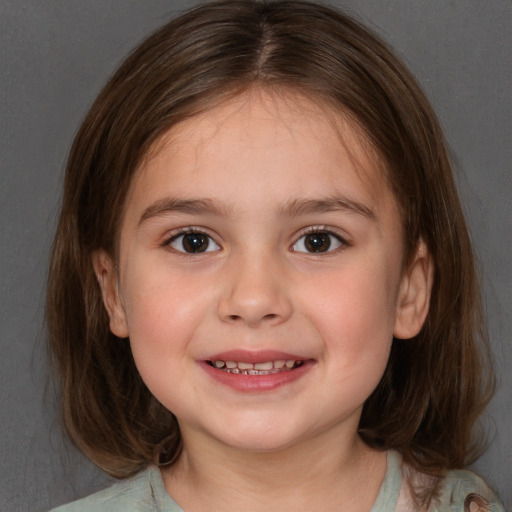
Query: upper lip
x: 255, y: 356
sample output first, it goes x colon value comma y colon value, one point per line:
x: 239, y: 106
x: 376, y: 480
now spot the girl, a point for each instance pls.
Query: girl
x: 262, y: 294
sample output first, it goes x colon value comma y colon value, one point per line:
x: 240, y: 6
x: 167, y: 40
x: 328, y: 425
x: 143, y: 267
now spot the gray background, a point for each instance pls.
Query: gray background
x: 55, y: 55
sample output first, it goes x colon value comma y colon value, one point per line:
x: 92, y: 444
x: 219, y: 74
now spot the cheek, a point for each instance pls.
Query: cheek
x: 355, y: 314
x: 162, y: 312
x: 161, y: 326
x: 356, y: 322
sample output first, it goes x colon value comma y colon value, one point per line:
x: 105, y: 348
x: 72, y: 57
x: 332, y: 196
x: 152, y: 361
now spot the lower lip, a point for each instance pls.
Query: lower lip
x: 257, y: 383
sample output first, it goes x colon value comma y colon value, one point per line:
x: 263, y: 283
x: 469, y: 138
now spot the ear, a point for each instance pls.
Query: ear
x: 414, y: 294
x: 107, y: 277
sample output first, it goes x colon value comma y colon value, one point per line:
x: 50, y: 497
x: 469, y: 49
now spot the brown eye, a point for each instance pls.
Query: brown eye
x: 193, y: 243
x: 317, y: 242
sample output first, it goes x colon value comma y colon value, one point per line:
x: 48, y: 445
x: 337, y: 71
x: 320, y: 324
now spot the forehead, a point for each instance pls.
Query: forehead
x: 275, y: 124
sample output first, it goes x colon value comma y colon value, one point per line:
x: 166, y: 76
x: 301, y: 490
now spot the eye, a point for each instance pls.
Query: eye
x: 318, y: 242
x: 193, y: 242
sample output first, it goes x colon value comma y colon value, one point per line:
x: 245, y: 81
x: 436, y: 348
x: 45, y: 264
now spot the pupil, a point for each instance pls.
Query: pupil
x: 195, y: 242
x: 318, y: 242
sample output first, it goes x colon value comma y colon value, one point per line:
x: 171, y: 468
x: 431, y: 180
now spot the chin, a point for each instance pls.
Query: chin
x: 250, y: 438
x: 260, y: 445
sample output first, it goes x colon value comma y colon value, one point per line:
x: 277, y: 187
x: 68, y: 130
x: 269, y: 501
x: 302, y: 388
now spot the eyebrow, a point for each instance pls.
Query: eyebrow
x: 190, y: 206
x: 298, y: 207
x: 293, y: 208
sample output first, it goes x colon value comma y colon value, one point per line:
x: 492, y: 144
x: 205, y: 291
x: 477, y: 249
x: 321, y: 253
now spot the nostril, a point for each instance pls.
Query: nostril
x: 268, y: 317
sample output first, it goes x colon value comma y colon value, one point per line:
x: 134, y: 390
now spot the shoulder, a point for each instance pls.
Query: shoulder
x: 144, y: 492
x: 463, y: 490
x: 457, y: 491
x: 132, y: 494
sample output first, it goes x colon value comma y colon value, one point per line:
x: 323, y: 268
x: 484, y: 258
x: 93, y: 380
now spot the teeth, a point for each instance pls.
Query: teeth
x: 264, y: 368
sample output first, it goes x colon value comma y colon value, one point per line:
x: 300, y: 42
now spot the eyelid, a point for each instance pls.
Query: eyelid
x: 176, y: 233
x: 332, y: 231
x: 329, y: 230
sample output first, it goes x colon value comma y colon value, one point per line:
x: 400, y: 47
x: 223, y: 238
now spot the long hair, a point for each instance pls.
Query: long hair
x: 435, y: 385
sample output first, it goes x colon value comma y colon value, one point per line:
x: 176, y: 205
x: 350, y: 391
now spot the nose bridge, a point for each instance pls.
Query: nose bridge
x: 253, y: 289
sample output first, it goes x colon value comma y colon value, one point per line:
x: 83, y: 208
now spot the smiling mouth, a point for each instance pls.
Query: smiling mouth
x: 265, y: 368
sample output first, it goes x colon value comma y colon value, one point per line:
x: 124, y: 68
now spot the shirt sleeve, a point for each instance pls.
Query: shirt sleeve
x: 463, y: 490
x: 144, y: 492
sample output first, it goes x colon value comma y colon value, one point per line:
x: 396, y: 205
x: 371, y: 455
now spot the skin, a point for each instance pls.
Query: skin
x: 252, y: 162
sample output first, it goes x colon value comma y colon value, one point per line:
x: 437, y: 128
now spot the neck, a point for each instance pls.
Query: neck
x: 308, y: 476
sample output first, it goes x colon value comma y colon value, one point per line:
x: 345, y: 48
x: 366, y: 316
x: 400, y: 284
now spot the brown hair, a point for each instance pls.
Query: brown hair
x: 435, y: 385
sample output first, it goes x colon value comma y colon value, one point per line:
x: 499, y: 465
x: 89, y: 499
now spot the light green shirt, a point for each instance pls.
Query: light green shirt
x: 145, y: 492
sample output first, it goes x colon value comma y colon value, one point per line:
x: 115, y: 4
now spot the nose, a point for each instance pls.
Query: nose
x: 254, y: 293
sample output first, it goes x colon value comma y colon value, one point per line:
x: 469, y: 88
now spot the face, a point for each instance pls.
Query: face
x: 260, y: 275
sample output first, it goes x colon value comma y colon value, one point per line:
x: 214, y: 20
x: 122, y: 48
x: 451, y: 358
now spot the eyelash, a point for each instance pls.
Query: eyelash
x: 322, y: 230
x: 313, y: 230
x: 190, y: 231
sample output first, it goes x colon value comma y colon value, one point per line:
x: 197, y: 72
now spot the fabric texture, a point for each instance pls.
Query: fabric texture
x: 145, y: 492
